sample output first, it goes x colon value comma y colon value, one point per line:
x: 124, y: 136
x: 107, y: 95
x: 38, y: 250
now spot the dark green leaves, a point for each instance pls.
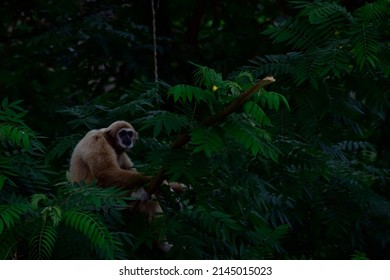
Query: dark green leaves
x: 373, y: 12
x: 367, y: 45
x: 332, y: 39
x: 251, y: 137
x: 207, y: 77
x: 207, y: 140
x: 10, y: 214
x: 12, y: 128
x: 93, y: 228
x: 42, y: 241
x: 15, y: 135
x: 164, y: 121
x: 255, y: 112
x: 190, y: 93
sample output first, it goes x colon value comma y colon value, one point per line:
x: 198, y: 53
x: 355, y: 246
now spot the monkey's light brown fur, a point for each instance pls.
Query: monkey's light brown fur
x: 99, y: 156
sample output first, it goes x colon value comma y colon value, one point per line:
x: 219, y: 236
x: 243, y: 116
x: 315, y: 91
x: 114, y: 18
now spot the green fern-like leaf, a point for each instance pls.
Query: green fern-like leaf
x: 256, y: 113
x: 62, y: 146
x: 9, y: 214
x: 355, y: 145
x: 15, y: 135
x: 164, y: 121
x: 323, y: 13
x: 308, y: 69
x: 207, y: 140
x: 54, y: 213
x: 252, y: 138
x: 278, y: 233
x: 134, y: 107
x: 85, y: 196
x: 91, y: 195
x: 207, y: 77
x: 367, y: 45
x: 274, y: 64
x: 334, y: 57
x: 294, y: 33
x: 42, y: 241
x: 91, y: 226
x: 373, y: 12
x: 12, y: 111
x: 186, y: 167
x: 272, y: 99
x: 36, y: 199
x: 185, y: 92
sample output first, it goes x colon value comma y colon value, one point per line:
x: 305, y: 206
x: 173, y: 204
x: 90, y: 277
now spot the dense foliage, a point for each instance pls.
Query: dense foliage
x: 298, y: 170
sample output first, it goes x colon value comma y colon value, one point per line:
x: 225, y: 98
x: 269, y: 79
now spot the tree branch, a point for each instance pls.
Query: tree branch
x: 228, y: 110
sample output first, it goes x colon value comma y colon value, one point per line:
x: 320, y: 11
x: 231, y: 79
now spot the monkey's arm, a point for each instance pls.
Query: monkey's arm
x: 114, y: 176
x: 102, y: 162
x: 126, y: 163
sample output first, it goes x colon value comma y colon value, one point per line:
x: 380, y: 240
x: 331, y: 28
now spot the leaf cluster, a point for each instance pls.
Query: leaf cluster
x: 333, y: 141
x: 41, y: 227
x: 21, y: 153
x: 328, y: 40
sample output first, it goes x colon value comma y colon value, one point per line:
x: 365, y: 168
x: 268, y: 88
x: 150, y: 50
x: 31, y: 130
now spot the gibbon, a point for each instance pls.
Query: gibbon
x: 101, y: 156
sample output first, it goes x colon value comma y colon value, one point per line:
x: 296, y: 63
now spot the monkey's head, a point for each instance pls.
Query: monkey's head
x: 122, y: 135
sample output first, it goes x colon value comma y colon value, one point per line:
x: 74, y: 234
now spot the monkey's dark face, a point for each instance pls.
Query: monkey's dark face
x: 126, y: 138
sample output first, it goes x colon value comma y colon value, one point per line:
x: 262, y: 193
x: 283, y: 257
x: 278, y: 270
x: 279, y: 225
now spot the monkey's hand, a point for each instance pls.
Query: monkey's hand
x: 141, y: 194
